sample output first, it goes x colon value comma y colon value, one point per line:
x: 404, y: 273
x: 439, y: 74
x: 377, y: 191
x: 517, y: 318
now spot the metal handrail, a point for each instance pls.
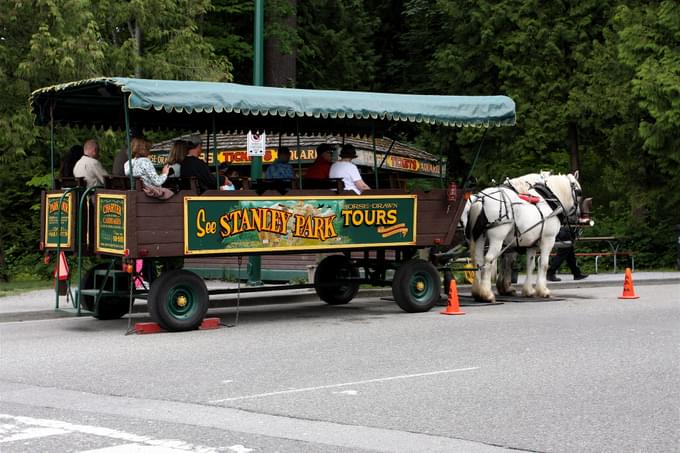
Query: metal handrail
x: 61, y: 200
x: 79, y: 235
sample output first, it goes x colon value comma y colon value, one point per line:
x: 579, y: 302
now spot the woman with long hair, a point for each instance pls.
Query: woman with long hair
x: 143, y: 168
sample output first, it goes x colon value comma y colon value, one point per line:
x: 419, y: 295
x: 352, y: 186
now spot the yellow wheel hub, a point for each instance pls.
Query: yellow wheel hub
x: 182, y: 301
x: 420, y: 286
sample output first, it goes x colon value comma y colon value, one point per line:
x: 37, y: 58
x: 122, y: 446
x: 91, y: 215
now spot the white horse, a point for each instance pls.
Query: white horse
x: 502, y: 268
x: 499, y: 218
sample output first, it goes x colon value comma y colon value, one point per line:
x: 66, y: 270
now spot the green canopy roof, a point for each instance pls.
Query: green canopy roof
x: 233, y: 107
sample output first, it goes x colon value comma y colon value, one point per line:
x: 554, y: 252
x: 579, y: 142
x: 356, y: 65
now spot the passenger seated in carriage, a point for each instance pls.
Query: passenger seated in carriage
x: 89, y: 167
x: 193, y: 165
x: 347, y: 171
x: 281, y: 168
x: 143, y: 168
x: 321, y: 168
x: 177, y: 154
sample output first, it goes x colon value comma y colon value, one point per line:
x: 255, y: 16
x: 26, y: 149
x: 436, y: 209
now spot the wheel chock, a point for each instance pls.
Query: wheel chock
x: 147, y: 327
x: 210, y: 323
x: 153, y: 327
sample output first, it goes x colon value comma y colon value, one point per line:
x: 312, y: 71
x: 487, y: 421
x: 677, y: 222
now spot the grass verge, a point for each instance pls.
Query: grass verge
x: 17, y: 287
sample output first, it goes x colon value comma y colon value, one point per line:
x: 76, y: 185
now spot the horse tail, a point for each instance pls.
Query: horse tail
x: 477, y: 221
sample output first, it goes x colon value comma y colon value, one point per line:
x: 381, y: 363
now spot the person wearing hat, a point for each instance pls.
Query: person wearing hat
x: 193, y: 165
x: 321, y: 167
x: 345, y: 169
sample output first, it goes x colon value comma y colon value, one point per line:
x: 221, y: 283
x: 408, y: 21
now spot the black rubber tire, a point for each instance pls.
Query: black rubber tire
x: 178, y: 300
x: 109, y: 307
x: 336, y: 269
x: 416, y: 286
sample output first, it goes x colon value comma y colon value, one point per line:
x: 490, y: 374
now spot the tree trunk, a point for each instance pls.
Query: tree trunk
x: 4, y: 273
x: 138, y: 49
x: 574, y: 159
x: 280, y: 67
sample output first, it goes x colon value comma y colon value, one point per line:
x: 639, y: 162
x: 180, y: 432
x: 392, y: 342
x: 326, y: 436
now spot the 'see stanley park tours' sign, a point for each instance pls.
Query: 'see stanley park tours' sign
x: 110, y: 231
x: 59, y: 216
x: 274, y: 224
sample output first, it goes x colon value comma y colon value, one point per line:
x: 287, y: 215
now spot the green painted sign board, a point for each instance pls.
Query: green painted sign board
x: 276, y: 224
x: 59, y: 229
x: 110, y: 234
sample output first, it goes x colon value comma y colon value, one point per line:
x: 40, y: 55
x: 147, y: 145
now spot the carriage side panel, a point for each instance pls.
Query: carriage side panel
x: 437, y: 217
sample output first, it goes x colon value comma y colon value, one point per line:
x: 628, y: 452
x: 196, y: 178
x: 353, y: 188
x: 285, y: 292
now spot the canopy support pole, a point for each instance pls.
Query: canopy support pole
x: 217, y: 164
x: 441, y: 171
x: 254, y: 261
x: 297, y: 133
x: 474, y: 162
x: 127, y: 140
x: 52, y: 143
x: 389, y: 151
x: 375, y: 157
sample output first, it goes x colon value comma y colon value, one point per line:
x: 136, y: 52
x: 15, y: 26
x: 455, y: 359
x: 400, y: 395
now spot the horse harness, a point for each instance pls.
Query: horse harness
x: 545, y: 193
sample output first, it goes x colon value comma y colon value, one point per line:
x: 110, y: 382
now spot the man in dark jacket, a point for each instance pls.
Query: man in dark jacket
x: 565, y: 251
x: 193, y: 165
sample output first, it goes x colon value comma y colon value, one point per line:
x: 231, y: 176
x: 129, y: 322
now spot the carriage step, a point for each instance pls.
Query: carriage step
x: 111, y: 273
x: 104, y: 293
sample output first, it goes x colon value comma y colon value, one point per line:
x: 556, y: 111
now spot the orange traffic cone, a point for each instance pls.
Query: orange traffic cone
x: 61, y: 269
x: 453, y: 308
x: 628, y: 288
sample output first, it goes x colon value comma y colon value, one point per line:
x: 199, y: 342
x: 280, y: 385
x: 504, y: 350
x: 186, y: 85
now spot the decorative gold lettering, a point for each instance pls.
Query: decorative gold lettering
x: 369, y: 217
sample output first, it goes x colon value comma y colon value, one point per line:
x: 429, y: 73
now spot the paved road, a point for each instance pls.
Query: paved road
x: 583, y: 372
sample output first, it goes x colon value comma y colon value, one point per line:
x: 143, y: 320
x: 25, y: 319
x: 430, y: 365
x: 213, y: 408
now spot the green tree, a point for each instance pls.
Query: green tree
x: 46, y: 42
x: 336, y: 50
x: 633, y: 100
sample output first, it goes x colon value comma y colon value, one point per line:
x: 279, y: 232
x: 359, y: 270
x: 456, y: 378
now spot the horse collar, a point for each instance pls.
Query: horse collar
x: 550, y: 198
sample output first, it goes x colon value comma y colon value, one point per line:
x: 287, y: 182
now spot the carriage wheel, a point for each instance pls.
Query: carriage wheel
x: 333, y: 280
x: 178, y: 300
x: 416, y: 286
x: 108, y: 307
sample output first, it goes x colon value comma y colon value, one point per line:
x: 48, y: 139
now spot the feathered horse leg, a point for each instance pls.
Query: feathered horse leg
x: 544, y: 260
x: 477, y: 253
x: 504, y: 277
x: 528, y: 288
x: 493, y: 250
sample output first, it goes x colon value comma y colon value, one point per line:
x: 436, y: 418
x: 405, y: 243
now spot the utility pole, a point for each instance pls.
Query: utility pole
x: 255, y: 261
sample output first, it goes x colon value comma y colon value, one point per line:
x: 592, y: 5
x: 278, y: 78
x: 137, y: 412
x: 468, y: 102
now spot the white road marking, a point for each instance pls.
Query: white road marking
x: 347, y: 392
x: 239, y: 449
x: 134, y: 448
x: 41, y: 427
x: 31, y: 433
x: 321, y: 387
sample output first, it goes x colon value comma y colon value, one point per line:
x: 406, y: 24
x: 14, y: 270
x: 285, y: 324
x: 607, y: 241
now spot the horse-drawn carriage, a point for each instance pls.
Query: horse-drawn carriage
x: 382, y: 232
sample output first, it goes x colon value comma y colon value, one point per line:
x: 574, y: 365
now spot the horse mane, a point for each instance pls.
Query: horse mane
x: 522, y: 184
x: 560, y: 185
